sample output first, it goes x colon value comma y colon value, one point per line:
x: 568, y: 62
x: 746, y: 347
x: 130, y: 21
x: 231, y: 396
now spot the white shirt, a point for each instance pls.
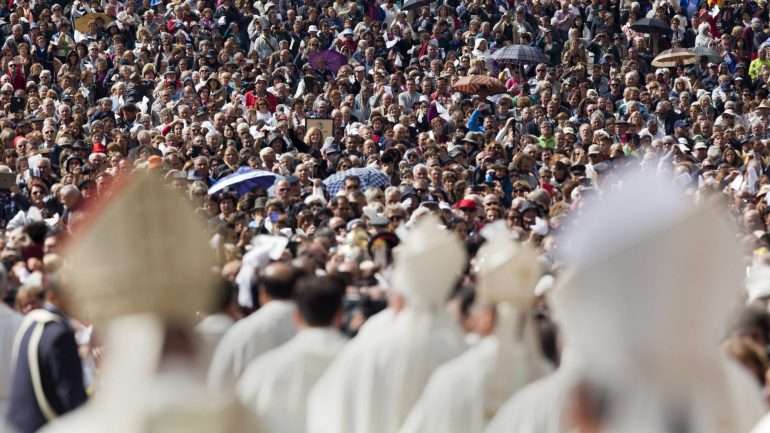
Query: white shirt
x: 9, y: 324
x: 275, y: 386
x: 267, y: 328
x: 376, y: 379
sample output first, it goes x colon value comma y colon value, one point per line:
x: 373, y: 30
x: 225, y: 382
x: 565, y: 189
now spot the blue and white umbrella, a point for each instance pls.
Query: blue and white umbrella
x: 369, y: 176
x: 244, y: 180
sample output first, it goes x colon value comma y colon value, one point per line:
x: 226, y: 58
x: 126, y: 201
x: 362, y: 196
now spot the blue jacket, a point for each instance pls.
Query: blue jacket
x: 61, y: 374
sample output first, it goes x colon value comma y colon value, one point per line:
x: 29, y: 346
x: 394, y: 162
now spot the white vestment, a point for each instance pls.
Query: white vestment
x: 211, y: 330
x: 465, y: 393
x: 376, y: 379
x: 538, y: 407
x: 267, y: 328
x: 9, y: 324
x: 134, y: 396
x: 276, y: 385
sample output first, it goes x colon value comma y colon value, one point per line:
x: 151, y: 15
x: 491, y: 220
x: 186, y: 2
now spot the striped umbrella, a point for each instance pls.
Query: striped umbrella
x: 673, y: 57
x: 479, y: 84
x: 519, y: 55
x: 369, y: 176
x: 244, y: 180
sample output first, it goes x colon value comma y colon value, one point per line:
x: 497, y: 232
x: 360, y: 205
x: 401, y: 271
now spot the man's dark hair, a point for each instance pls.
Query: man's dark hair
x: 753, y: 322
x: 278, y: 280
x: 226, y: 293
x: 36, y: 231
x: 319, y: 299
x: 354, y: 178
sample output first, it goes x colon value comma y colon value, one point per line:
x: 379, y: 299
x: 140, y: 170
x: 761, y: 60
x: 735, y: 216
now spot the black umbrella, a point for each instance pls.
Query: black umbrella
x: 651, y: 26
x: 654, y: 27
x: 414, y: 4
x: 519, y: 55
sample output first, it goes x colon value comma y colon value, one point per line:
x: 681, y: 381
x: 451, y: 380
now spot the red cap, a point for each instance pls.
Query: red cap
x: 466, y: 203
x: 98, y: 148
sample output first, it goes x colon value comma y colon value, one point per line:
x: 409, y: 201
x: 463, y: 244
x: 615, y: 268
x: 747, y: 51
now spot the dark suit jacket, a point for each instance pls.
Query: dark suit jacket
x: 61, y: 375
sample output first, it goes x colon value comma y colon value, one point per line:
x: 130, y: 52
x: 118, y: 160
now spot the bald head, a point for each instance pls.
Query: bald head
x: 277, y: 281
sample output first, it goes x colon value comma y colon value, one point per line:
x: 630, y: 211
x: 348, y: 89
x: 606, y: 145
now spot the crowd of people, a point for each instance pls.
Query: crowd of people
x: 353, y: 112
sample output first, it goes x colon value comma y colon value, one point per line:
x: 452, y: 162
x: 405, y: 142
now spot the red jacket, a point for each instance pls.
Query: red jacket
x: 18, y: 78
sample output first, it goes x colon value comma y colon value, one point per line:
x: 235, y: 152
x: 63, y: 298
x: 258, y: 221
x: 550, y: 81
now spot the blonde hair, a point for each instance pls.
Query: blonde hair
x: 310, y: 131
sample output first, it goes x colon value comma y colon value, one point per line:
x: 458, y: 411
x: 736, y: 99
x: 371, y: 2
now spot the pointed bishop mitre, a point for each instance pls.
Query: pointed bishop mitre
x: 145, y: 251
x: 507, y: 270
x: 428, y: 262
x: 653, y: 281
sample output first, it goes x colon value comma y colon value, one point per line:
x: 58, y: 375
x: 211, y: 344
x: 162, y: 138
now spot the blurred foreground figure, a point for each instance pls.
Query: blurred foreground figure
x: 373, y: 384
x: 145, y: 299
x: 651, y: 285
x: 464, y: 394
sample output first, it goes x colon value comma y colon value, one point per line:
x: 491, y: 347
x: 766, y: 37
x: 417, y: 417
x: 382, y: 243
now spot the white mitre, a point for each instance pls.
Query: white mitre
x: 428, y: 262
x: 652, y: 284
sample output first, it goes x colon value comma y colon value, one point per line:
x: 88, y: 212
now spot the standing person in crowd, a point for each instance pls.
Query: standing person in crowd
x: 276, y: 384
x: 271, y: 326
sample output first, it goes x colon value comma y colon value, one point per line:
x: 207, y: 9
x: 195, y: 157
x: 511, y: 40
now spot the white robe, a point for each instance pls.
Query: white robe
x: 267, y: 328
x: 9, y: 324
x: 211, y: 330
x: 537, y: 408
x: 526, y: 411
x: 465, y: 393
x: 374, y: 382
x: 276, y: 385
